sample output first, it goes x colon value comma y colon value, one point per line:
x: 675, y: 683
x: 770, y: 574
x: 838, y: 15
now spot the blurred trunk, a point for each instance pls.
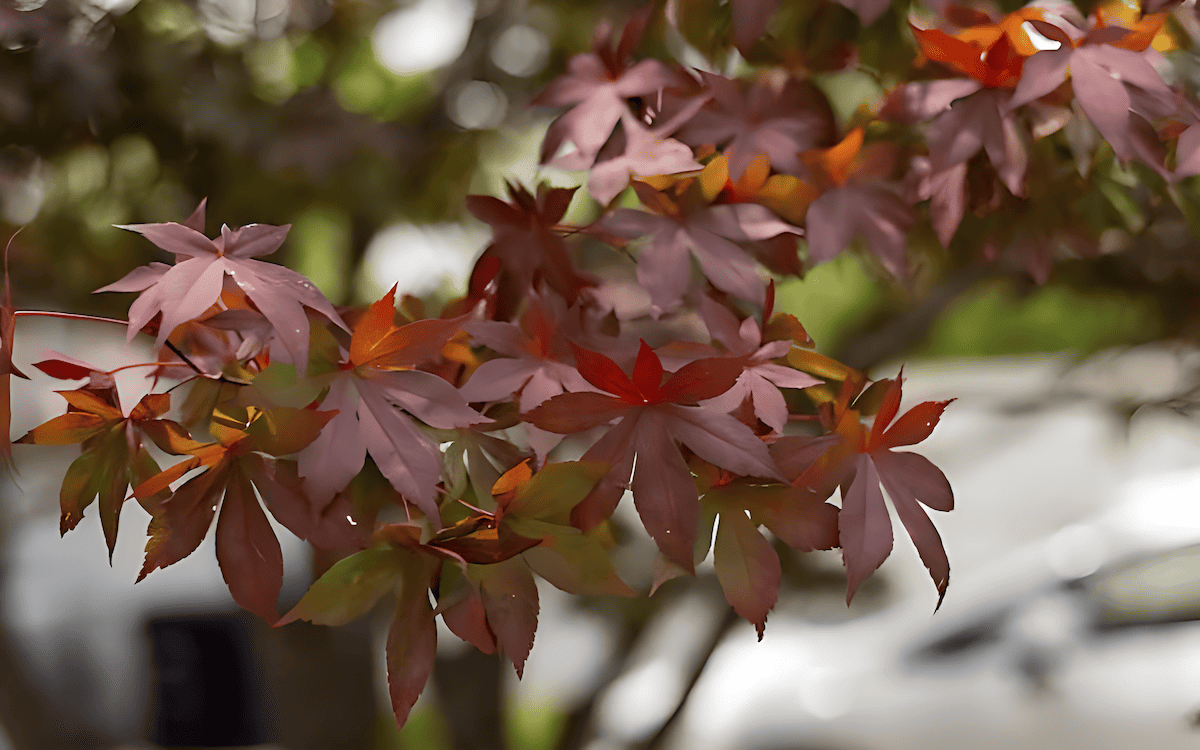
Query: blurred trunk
x: 470, y: 691
x: 322, y: 681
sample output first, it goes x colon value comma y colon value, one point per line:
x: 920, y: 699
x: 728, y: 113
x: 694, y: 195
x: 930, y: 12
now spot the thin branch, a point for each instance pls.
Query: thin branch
x: 728, y: 621
x: 219, y: 378
x: 68, y: 316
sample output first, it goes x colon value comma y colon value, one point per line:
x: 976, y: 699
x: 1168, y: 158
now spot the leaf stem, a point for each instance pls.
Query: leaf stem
x: 68, y: 316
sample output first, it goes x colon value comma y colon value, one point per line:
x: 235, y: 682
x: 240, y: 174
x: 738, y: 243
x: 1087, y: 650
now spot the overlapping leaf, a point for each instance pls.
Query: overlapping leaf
x: 233, y: 468
x: 654, y: 415
x: 860, y: 462
x: 374, y: 391
x: 114, y: 457
x: 184, y: 291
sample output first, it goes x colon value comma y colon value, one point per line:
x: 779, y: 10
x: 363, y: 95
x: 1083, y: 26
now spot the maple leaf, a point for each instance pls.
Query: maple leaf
x: 1110, y: 82
x: 526, y: 245
x: 855, y: 202
x: 972, y: 114
x: 652, y: 415
x: 474, y: 462
x: 918, y: 101
x: 981, y: 121
x: 784, y: 194
x: 532, y: 520
x: 374, y: 391
x: 760, y: 382
x: 247, y: 550
x: 597, y: 85
x: 537, y: 363
x: 186, y: 290
x: 750, y: 18
x: 114, y: 457
x: 708, y: 234
x: 769, y: 116
x: 747, y: 565
x: 946, y: 192
x: 537, y: 360
x: 496, y: 605
x: 397, y: 563
x: 860, y: 462
x: 495, y: 609
x: 638, y: 151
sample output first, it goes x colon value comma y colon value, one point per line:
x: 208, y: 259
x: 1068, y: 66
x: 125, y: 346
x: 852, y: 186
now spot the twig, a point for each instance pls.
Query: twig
x: 728, y: 621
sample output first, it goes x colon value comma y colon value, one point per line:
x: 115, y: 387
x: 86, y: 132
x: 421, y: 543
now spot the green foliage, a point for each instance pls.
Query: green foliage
x: 994, y: 320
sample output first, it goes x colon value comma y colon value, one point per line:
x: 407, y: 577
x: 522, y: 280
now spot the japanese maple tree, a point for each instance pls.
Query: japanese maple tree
x: 687, y: 389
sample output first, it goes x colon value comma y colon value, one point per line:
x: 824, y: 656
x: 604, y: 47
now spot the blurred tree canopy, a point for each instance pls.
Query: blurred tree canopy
x: 116, y: 113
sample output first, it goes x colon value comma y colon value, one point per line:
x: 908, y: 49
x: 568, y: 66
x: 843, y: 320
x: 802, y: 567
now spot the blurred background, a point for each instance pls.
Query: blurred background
x: 1073, y: 619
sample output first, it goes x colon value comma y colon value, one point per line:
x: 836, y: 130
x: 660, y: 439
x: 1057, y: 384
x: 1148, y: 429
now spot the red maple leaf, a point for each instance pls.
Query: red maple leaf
x: 860, y: 462
x: 247, y: 550
x: 374, y: 391
x: 652, y: 415
x: 527, y: 246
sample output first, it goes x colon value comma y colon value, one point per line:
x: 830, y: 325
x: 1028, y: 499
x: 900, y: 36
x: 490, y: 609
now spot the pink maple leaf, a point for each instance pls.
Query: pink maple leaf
x: 710, y: 235
x: 1110, y: 82
x: 946, y: 192
x: 598, y: 84
x: 184, y: 291
x: 761, y: 380
x: 769, y: 116
x: 537, y: 363
x: 856, y: 200
x: 638, y: 151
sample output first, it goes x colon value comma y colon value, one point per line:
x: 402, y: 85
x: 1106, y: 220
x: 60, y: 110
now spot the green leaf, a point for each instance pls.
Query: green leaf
x: 747, y: 567
x: 350, y: 588
x: 577, y: 564
x: 79, y: 489
x: 555, y: 490
x: 278, y: 385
